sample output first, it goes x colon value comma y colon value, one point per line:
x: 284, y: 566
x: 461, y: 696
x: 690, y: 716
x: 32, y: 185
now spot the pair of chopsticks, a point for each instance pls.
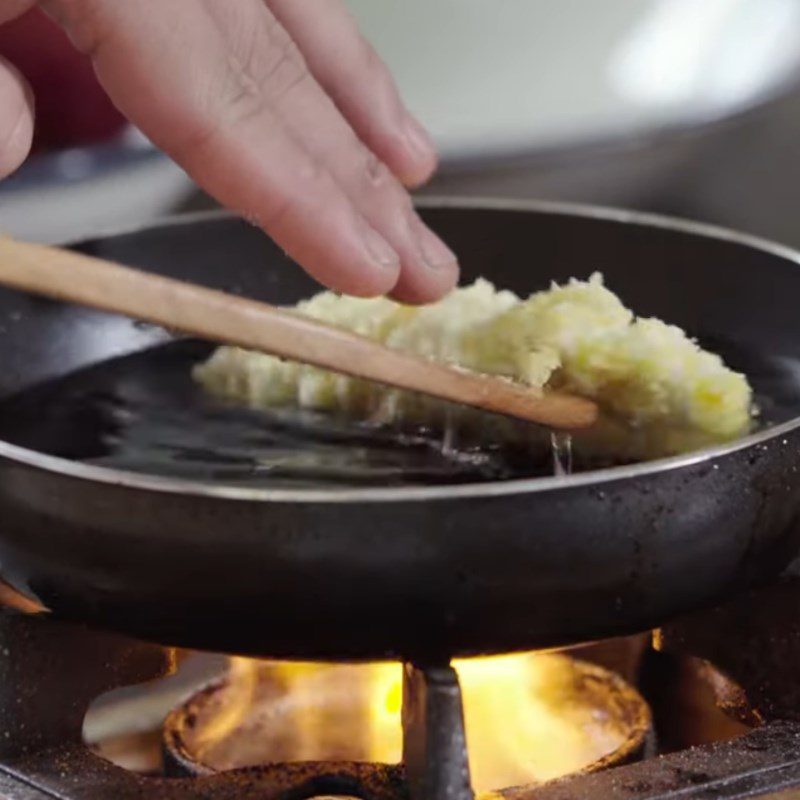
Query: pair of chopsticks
x: 217, y: 316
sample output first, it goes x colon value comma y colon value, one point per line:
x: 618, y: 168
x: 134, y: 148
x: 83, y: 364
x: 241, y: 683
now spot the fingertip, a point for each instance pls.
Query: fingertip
x: 410, y: 153
x: 16, y: 118
x: 355, y: 279
x: 382, y: 255
x: 368, y: 283
x: 419, y: 286
x: 422, y: 157
x: 417, y: 175
x: 362, y: 265
x: 430, y: 268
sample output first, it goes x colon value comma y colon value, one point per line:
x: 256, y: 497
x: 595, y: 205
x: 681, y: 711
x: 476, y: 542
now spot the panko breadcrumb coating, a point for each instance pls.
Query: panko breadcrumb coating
x: 659, y: 393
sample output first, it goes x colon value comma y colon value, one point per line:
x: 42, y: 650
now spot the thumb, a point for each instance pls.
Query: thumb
x: 16, y: 102
x: 16, y: 118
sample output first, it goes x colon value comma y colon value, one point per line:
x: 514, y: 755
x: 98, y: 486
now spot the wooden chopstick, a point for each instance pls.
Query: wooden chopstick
x: 217, y: 316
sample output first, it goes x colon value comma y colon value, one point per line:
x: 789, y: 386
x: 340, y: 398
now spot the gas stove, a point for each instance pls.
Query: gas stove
x: 746, y: 651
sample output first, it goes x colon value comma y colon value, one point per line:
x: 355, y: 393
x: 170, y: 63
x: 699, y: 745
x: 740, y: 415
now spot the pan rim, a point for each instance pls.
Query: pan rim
x: 165, y: 485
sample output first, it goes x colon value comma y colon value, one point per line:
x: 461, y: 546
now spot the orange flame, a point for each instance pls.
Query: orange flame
x: 529, y: 718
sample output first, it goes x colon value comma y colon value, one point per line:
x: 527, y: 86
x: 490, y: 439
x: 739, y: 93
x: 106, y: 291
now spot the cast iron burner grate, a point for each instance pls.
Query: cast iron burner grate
x: 51, y: 670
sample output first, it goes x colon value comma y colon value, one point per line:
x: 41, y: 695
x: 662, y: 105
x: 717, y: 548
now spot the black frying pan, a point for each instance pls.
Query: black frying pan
x: 417, y: 572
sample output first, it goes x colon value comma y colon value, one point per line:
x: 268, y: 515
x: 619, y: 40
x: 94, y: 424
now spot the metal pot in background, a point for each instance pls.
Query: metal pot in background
x: 742, y: 173
x: 664, y: 105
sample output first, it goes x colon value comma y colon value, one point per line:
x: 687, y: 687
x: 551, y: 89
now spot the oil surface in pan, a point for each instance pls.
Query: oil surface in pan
x: 144, y: 413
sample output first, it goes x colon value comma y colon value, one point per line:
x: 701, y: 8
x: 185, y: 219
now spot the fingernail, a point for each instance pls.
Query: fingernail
x: 419, y: 141
x: 379, y: 249
x: 435, y: 253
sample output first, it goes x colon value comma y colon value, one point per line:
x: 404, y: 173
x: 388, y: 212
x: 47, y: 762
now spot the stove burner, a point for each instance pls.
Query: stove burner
x: 530, y: 717
x: 50, y: 671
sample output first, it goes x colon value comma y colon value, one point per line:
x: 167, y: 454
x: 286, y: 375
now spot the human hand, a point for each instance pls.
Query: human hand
x: 280, y: 110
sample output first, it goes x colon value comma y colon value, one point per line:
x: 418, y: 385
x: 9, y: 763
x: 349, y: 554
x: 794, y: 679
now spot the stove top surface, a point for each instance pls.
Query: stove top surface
x: 50, y: 671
